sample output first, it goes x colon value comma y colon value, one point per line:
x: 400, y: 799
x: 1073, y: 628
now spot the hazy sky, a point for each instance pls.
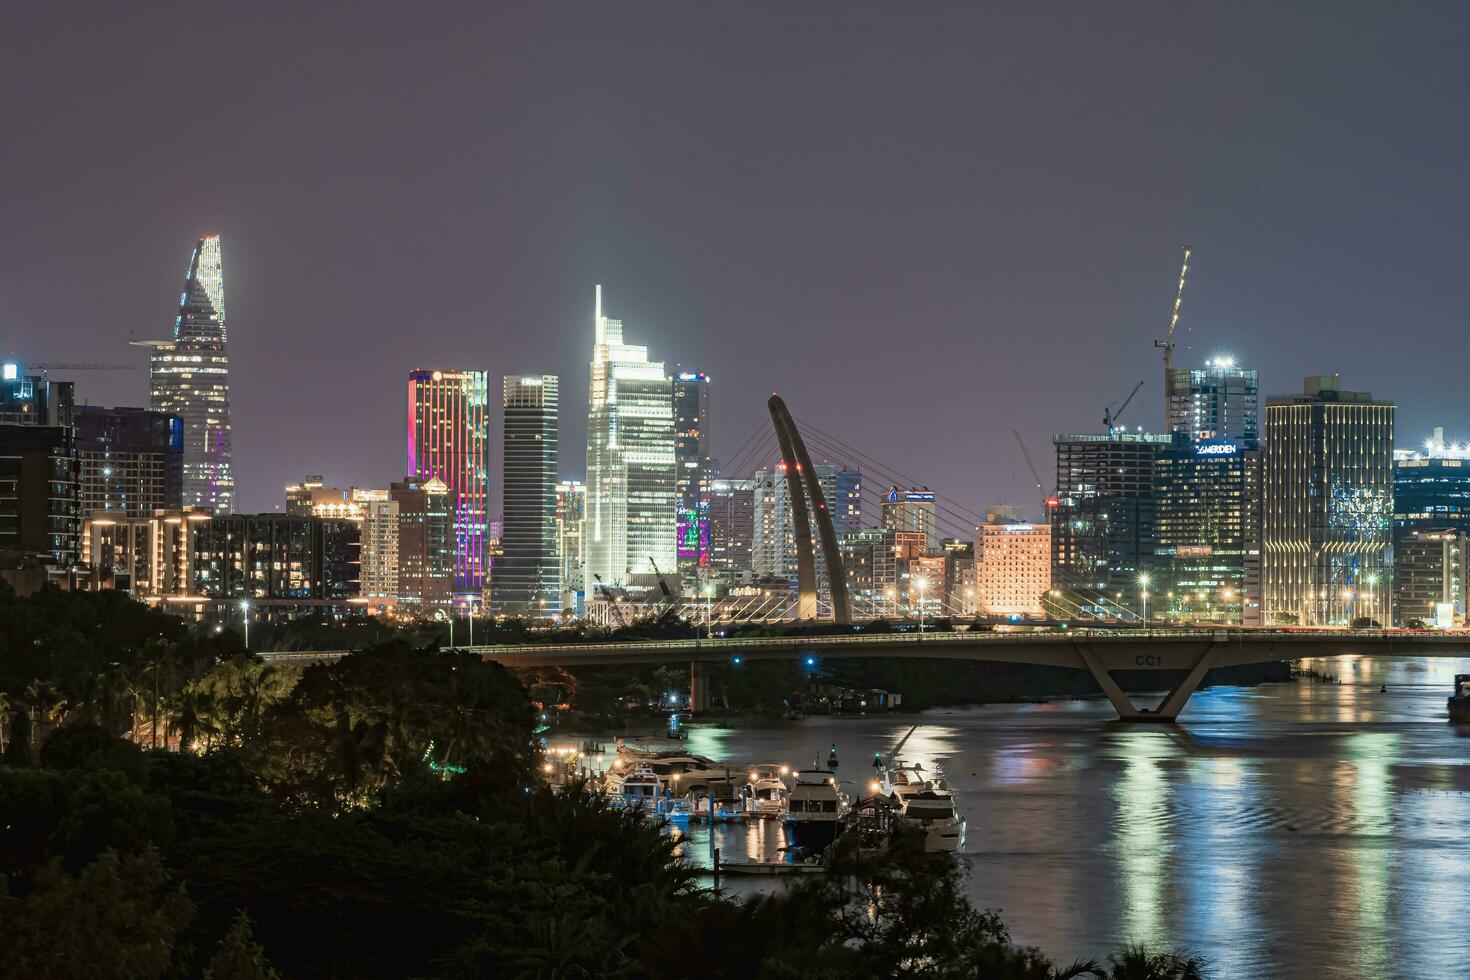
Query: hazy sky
x: 922, y: 224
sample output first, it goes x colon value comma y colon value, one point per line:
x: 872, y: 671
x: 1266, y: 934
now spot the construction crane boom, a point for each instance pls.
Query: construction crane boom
x: 1032, y: 467
x: 1110, y: 417
x: 1167, y: 344
x: 66, y: 366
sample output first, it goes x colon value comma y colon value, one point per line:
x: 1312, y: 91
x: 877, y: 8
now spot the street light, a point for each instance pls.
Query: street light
x: 923, y: 584
x: 709, y: 598
x: 1143, y: 581
x: 245, y: 616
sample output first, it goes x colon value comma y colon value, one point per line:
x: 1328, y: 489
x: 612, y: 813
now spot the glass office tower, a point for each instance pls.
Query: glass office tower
x: 526, y: 577
x: 189, y: 377
x: 448, y: 439
x: 632, y: 506
x: 1327, y: 503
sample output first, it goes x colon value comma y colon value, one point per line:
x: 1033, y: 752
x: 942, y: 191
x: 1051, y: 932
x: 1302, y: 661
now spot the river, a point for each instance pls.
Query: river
x: 1287, y: 830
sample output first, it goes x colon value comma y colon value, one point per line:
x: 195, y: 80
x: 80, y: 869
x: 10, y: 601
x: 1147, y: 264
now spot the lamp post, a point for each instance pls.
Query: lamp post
x: 923, y: 584
x: 709, y: 600
x: 1143, y: 581
x: 245, y: 617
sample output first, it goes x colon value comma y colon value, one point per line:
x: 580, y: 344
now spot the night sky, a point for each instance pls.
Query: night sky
x: 923, y: 229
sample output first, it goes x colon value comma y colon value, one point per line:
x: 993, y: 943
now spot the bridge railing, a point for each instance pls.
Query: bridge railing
x: 827, y: 642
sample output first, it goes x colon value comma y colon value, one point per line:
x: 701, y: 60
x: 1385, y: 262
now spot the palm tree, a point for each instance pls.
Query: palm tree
x: 1135, y: 962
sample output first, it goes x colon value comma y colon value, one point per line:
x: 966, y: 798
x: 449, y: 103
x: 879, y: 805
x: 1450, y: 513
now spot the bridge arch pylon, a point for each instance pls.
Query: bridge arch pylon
x: 805, y: 488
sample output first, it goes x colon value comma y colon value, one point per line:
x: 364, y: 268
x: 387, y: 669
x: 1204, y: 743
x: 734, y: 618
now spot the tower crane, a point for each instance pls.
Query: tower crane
x: 1110, y: 417
x: 68, y: 366
x: 1047, y: 500
x: 1167, y: 344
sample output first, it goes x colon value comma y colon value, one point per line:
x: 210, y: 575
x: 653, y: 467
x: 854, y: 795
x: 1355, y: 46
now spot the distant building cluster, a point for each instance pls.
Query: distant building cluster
x: 1305, y: 514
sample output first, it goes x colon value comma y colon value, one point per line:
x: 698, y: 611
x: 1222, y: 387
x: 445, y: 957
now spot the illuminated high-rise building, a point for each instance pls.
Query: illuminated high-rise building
x: 189, y: 378
x: 449, y: 440
x: 1327, y: 502
x: 1103, y: 525
x: 1012, y: 568
x: 1207, y: 543
x: 731, y: 528
x: 632, y: 506
x: 131, y: 461
x: 526, y: 577
x: 773, y: 533
x: 425, y: 543
x: 1218, y: 402
x: 912, y: 510
x: 694, y: 468
x: 1431, y: 519
x: 571, y: 521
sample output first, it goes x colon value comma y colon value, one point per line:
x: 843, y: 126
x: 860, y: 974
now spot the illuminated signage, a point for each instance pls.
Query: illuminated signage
x: 12, y: 370
x: 1216, y: 449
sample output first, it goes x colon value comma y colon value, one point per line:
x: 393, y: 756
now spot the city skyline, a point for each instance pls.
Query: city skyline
x: 1037, y: 240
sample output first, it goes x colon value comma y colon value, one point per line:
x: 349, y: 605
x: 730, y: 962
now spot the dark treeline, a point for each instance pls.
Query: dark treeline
x: 175, y: 808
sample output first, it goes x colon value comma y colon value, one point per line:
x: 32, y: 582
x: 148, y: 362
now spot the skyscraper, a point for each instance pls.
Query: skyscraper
x: 526, y: 578
x: 773, y: 545
x: 632, y: 507
x: 693, y: 468
x: 1327, y: 500
x: 448, y: 439
x: 571, y: 521
x: 425, y: 543
x: 189, y: 377
x: 1012, y: 568
x: 1431, y: 520
x: 912, y: 510
x: 1218, y: 401
x: 731, y: 528
x: 131, y: 461
x: 1207, y: 544
x: 1103, y: 525
x: 39, y: 488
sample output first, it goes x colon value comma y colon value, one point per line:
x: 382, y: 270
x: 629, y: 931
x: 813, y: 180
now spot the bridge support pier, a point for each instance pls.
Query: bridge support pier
x: 1173, y: 703
x: 698, y: 687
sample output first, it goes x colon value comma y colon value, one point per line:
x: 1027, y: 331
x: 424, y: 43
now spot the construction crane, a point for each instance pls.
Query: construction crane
x: 1167, y: 344
x: 662, y: 583
x: 1110, y: 417
x: 1048, y: 501
x: 66, y: 366
x: 606, y: 593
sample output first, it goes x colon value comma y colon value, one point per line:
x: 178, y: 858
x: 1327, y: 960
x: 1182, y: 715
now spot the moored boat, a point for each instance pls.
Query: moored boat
x: 1459, y: 702
x: 814, y: 811
x: 932, y: 812
x: 765, y: 794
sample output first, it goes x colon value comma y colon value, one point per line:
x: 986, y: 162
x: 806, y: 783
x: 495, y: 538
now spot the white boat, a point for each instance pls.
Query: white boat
x: 904, y: 779
x: 766, y: 793
x: 932, y: 812
x: 635, y: 787
x: 814, y: 811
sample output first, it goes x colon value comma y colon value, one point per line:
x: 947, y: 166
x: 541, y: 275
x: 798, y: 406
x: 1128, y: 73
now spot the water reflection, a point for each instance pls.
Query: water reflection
x: 1306, y: 829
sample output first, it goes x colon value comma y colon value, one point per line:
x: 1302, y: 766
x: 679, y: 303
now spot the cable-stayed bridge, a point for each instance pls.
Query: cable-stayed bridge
x: 1101, y: 652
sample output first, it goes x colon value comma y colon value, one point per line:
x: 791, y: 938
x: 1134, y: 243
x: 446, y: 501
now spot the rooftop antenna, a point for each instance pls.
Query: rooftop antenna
x: 1167, y: 344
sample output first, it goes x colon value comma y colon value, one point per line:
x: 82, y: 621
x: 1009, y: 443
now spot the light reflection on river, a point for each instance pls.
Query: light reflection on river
x: 1288, y: 830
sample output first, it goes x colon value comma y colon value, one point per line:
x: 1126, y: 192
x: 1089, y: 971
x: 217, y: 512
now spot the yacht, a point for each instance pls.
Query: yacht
x: 766, y: 793
x: 635, y: 787
x: 904, y: 779
x: 814, y: 811
x: 932, y: 812
x: 685, y: 772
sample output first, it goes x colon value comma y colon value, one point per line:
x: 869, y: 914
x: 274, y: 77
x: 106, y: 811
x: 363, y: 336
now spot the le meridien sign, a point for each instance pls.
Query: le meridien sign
x: 1216, y: 449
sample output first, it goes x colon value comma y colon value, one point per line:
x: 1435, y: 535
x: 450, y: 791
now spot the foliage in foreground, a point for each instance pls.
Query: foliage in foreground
x: 378, y: 817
